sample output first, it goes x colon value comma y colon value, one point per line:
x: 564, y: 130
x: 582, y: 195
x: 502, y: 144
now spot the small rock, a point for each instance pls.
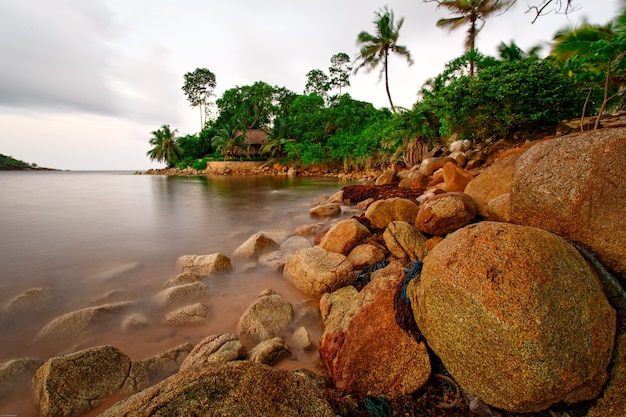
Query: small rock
x: 182, y: 279
x: 307, y: 316
x: 455, y: 178
x: 214, y: 348
x: 167, y: 363
x: 301, y: 339
x: 309, y: 229
x: 16, y: 374
x: 269, y: 352
x: 430, y: 165
x: 365, y: 254
x: 445, y: 213
x: 182, y: 294
x: 256, y: 245
x: 344, y: 235
x: 326, y: 210
x: 387, y: 177
x: 205, y: 265
x: 405, y: 241
x: 267, y: 317
x: 30, y: 300
x: 134, y: 322
x: 382, y: 212
x: 194, y: 314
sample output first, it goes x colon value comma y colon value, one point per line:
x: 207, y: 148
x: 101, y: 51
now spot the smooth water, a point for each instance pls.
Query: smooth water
x: 84, y: 235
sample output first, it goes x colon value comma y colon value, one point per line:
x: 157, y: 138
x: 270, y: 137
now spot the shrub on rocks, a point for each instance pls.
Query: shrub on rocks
x: 517, y: 316
x: 316, y: 271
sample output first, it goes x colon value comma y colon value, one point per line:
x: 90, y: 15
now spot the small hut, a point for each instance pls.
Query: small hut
x: 254, y: 140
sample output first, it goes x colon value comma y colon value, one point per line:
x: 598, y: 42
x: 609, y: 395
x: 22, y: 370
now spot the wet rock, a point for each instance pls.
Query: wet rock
x: 354, y: 194
x: 16, y: 374
x: 306, y: 316
x: 267, y: 317
x: 194, y: 314
x: 387, y: 177
x: 575, y: 186
x: 334, y: 304
x: 430, y: 165
x: 294, y: 243
x: 277, y: 235
x: 336, y: 198
x: 460, y: 159
x: 363, y: 205
x: 382, y: 212
x: 182, y: 279
x: 309, y: 229
x: 269, y: 352
x: 71, y: 385
x: 497, y: 300
x: 315, y: 271
x: 492, y: 183
x: 326, y: 210
x: 29, y: 301
x: 301, y: 339
x: 256, y: 245
x: 241, y: 388
x: 181, y: 295
x: 69, y: 328
x: 365, y: 254
x: 343, y: 236
x: 134, y: 322
x: 167, y: 363
x: 460, y: 145
x: 276, y: 260
x: 215, y: 348
x: 445, y: 213
x: 364, y: 349
x: 405, y: 241
x: 613, y: 399
x: 205, y: 265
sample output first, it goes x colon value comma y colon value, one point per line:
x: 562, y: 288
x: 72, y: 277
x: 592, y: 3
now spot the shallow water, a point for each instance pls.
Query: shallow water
x: 85, y: 234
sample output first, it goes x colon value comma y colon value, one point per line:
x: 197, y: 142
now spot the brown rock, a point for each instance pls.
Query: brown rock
x: 432, y: 242
x: 214, y: 348
x: 194, y: 314
x: 491, y: 183
x: 256, y: 244
x: 315, y: 271
x: 205, y: 265
x: 344, y: 236
x: 382, y: 212
x: 309, y: 229
x: 365, y: 351
x: 445, y: 213
x: 269, y: 352
x: 613, y: 400
x: 71, y: 385
x: 166, y: 363
x: 455, y: 178
x: 430, y: 165
x: 387, y: 177
x: 182, y: 279
x: 267, y: 317
x: 240, y: 388
x: 405, y: 241
x: 16, y: 374
x: 500, y: 302
x: 181, y: 295
x: 364, y: 255
x: 326, y: 210
x: 575, y: 186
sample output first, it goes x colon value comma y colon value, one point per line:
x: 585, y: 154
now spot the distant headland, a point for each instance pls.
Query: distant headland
x: 8, y: 163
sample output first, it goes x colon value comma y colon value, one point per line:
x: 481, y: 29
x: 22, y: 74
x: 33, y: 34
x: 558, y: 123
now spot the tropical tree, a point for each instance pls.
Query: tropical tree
x: 317, y: 82
x: 165, y: 146
x: 340, y: 71
x: 198, y: 88
x: 472, y: 13
x: 376, y: 47
x: 228, y: 141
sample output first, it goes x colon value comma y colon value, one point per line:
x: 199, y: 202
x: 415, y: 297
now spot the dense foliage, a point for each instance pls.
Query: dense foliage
x: 8, y: 163
x: 515, y: 96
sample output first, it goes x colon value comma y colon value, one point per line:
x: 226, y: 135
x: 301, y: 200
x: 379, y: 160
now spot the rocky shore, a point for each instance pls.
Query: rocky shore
x: 480, y: 282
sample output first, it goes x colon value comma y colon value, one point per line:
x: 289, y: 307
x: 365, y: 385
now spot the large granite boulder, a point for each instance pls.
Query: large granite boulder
x: 517, y: 316
x: 445, y: 213
x: 315, y: 271
x: 575, y: 186
x: 613, y: 399
x: 382, y: 212
x: 238, y: 389
x: 267, y: 317
x: 344, y: 236
x: 364, y: 349
x: 491, y: 189
x: 71, y: 385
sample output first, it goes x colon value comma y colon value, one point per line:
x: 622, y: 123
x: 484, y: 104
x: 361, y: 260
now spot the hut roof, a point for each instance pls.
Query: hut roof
x: 254, y: 137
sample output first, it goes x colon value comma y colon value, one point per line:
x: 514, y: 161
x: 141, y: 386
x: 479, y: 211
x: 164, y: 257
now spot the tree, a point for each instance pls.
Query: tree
x: 248, y: 107
x: 317, y: 82
x: 472, y: 13
x: 199, y: 86
x: 165, y: 147
x: 227, y: 141
x: 377, y: 47
x: 340, y: 71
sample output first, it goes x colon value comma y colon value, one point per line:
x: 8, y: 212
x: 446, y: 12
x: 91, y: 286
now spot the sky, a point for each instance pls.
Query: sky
x: 83, y: 83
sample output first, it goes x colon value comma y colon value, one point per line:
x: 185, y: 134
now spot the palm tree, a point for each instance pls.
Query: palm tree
x: 472, y: 12
x: 376, y: 48
x: 165, y: 147
x: 226, y: 141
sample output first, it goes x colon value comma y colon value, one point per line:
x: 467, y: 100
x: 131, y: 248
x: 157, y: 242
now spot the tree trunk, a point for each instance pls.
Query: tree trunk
x: 393, y: 108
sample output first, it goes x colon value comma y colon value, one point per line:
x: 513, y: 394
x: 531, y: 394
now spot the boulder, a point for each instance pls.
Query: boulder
x: 455, y: 178
x: 193, y: 314
x: 71, y: 327
x: 315, y: 271
x: 241, y: 388
x: 460, y: 159
x: 326, y: 210
x: 214, y: 348
x: 405, y: 241
x: 29, y: 301
x: 575, y: 186
x: 181, y: 295
x: 134, y: 322
x: 294, y: 243
x: 205, y: 265
x: 309, y: 229
x: 387, y: 177
x: 366, y: 254
x: 16, y: 374
x: 71, y: 385
x: 364, y: 349
x: 306, y: 316
x: 166, y: 363
x: 256, y: 245
x: 445, y: 213
x: 276, y: 260
x: 269, y: 352
x: 430, y: 165
x: 501, y: 302
x: 301, y: 339
x: 277, y: 235
x: 267, y: 317
x: 344, y: 236
x: 182, y: 279
x: 382, y: 212
x: 493, y: 182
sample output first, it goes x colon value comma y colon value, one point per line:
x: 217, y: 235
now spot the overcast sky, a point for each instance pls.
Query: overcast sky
x: 83, y: 83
